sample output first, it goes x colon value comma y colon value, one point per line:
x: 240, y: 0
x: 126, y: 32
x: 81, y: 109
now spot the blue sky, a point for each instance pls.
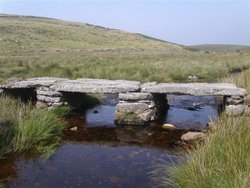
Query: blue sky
x: 181, y: 21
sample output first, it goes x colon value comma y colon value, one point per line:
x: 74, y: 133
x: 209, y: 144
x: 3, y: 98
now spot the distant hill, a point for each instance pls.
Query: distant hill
x: 221, y: 48
x: 28, y: 34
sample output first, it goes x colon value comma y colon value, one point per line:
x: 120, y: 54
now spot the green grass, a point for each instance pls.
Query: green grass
x: 244, y: 80
x: 40, y: 131
x: 61, y: 111
x: 147, y: 66
x: 23, y: 127
x: 221, y: 48
x: 222, y: 162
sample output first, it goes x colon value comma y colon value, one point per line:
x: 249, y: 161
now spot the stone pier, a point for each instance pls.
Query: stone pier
x: 47, y: 97
x: 140, y: 108
x: 234, y: 105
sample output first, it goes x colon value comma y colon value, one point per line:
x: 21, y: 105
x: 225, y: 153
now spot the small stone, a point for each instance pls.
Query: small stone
x: 40, y: 104
x: 193, y: 136
x: 73, y: 128
x: 135, y: 96
x: 48, y: 93
x: 56, y: 104
x: 234, y: 110
x: 168, y: 126
x: 192, y: 78
x: 234, y: 100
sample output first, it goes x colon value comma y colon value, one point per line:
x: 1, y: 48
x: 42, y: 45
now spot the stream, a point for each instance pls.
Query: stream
x: 97, y: 153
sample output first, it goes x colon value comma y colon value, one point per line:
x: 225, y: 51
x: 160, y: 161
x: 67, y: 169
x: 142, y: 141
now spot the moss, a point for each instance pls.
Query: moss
x: 128, y: 118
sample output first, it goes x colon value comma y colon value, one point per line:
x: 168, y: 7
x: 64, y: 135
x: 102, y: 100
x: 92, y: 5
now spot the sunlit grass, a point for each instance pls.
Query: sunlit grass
x: 221, y: 162
x: 131, y: 66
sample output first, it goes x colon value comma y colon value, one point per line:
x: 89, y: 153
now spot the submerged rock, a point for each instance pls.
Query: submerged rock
x: 193, y: 136
x: 168, y: 126
x: 73, y: 128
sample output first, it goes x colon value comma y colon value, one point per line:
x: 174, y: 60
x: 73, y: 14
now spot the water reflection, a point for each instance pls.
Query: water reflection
x: 150, y: 136
x: 97, y: 153
x: 89, y: 165
x: 192, y: 113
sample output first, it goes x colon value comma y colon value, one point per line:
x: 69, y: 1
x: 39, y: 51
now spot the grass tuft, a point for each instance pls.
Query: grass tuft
x: 23, y: 127
x: 38, y: 131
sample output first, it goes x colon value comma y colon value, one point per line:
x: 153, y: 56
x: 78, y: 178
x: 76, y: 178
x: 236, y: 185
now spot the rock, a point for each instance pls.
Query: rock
x: 56, y: 104
x: 134, y: 96
x: 97, y: 86
x: 40, y: 104
x: 33, y: 82
x: 193, y: 136
x: 168, y: 126
x: 128, y: 119
x: 49, y: 99
x: 48, y: 93
x: 196, y: 89
x: 234, y: 109
x: 137, y: 108
x: 123, y: 86
x: 148, y: 115
x: 234, y: 100
x: 192, y: 78
x: 73, y: 128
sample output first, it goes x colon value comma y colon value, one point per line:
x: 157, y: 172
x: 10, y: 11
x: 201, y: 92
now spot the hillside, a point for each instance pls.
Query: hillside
x: 34, y: 34
x: 34, y: 46
x: 221, y: 48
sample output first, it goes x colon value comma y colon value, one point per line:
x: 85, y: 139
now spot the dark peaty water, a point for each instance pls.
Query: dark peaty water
x: 97, y: 153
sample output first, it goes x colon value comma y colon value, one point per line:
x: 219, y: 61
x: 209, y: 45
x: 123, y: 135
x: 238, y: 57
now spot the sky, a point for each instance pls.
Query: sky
x: 186, y: 22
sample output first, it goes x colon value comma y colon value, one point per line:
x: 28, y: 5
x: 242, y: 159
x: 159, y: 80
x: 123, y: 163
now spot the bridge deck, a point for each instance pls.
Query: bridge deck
x: 196, y: 89
x: 122, y: 86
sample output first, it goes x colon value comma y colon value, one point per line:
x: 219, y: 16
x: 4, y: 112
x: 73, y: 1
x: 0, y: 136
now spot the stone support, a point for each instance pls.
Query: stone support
x: 47, y: 97
x: 139, y: 108
x: 234, y: 105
